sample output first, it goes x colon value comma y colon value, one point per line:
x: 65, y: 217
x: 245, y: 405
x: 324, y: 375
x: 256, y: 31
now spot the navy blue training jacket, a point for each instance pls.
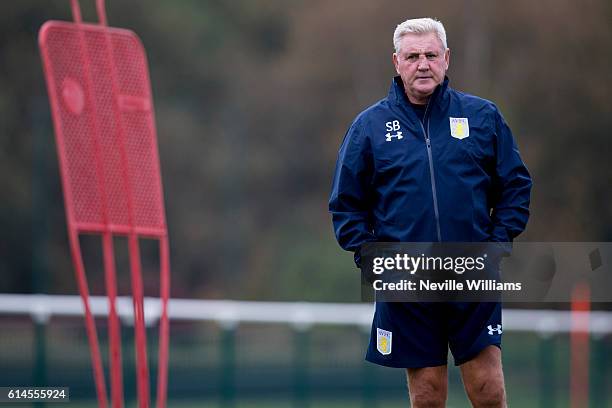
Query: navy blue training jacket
x: 457, y: 176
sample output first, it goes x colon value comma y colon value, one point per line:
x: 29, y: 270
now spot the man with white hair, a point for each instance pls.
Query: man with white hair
x: 431, y: 164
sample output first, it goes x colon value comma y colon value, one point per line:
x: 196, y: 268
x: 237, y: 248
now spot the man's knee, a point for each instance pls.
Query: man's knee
x: 483, y: 378
x: 427, y: 389
x: 427, y: 399
x: 487, y: 392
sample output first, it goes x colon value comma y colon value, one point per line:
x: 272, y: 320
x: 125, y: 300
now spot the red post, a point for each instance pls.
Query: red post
x: 164, y: 329
x: 114, y: 325
x: 579, y: 367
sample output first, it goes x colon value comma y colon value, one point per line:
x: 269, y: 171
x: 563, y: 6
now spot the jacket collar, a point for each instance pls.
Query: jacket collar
x: 397, y: 94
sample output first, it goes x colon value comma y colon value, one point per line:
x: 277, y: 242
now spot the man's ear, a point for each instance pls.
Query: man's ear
x: 396, y: 62
x: 447, y: 57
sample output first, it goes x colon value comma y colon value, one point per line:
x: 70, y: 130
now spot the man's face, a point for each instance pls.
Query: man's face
x: 422, y: 63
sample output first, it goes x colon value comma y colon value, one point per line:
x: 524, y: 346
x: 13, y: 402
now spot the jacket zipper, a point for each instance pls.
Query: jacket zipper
x: 431, y: 173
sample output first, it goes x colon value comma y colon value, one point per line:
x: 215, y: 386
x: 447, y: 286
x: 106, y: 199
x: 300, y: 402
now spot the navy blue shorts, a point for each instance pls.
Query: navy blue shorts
x: 413, y: 335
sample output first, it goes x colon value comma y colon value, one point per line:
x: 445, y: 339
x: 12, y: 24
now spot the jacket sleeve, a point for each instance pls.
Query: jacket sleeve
x: 349, y: 202
x: 511, y: 186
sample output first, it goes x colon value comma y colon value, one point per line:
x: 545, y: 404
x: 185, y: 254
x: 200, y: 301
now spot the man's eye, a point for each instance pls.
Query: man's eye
x: 431, y: 56
x: 411, y: 57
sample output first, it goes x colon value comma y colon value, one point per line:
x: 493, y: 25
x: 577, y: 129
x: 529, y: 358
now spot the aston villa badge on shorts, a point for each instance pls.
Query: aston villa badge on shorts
x: 383, y: 341
x: 459, y: 127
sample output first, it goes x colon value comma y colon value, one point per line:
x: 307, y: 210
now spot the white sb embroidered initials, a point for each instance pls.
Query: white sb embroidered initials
x: 393, y: 126
x: 459, y: 127
x: 497, y: 330
x: 383, y: 341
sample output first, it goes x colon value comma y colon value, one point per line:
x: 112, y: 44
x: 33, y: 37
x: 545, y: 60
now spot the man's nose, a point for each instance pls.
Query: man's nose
x: 423, y: 63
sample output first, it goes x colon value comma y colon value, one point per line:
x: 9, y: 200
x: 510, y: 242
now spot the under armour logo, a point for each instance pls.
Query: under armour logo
x: 389, y: 136
x: 492, y: 330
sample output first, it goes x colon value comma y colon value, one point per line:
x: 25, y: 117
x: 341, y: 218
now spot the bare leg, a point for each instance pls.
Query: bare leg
x: 483, y: 379
x: 427, y: 386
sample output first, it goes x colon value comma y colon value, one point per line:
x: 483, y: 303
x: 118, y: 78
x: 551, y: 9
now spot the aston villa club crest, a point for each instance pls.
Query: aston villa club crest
x: 383, y: 341
x: 459, y: 127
